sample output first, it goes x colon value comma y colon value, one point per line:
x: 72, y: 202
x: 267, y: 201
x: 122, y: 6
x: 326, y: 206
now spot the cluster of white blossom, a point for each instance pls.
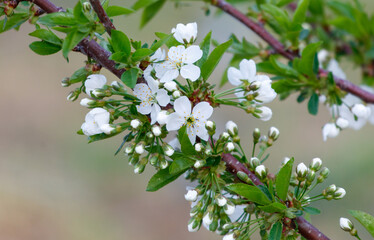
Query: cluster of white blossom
x: 353, y: 113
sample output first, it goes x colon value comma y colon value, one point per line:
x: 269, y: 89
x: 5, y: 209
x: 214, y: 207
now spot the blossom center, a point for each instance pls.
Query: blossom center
x: 190, y: 120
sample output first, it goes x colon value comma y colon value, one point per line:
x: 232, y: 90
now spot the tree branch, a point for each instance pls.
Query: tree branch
x: 103, y: 16
x: 343, y: 84
x: 306, y: 229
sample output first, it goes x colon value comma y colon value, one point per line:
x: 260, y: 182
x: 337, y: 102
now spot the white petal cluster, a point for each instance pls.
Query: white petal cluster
x: 185, y: 33
x: 191, y: 195
x: 345, y: 224
x: 95, y: 120
x: 93, y: 82
x: 195, y: 119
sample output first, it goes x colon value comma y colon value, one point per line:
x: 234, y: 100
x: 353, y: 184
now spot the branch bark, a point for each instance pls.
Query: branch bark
x: 343, y: 84
x: 103, y: 16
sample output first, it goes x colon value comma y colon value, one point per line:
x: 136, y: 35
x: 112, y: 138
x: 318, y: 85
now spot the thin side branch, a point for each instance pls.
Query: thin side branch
x: 103, y: 16
x: 343, y: 84
x: 305, y: 228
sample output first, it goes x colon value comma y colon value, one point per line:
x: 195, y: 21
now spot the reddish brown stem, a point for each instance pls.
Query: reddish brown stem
x: 306, y: 229
x: 103, y: 16
x: 279, y: 48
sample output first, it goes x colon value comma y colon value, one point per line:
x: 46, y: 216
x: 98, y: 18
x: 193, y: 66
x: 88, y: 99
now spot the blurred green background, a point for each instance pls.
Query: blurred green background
x: 53, y: 185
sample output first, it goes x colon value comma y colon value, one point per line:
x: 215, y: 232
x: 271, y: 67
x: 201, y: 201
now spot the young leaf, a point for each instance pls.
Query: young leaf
x: 140, y: 54
x: 278, y: 14
x: 313, y: 104
x: 186, y: 145
x: 306, y: 64
x: 162, y: 178
x: 44, y: 48
x: 130, y: 77
x: 161, y: 42
x: 204, y: 46
x: 282, y: 69
x: 300, y: 12
x: 283, y: 179
x: 13, y: 22
x: 311, y: 210
x: 180, y: 164
x: 47, y: 36
x: 114, y: 11
x: 120, y: 42
x: 273, y: 207
x: 142, y: 3
x: 78, y: 76
x: 58, y: 18
x: 365, y: 219
x: 213, y: 59
x: 78, y: 13
x: 249, y: 192
x: 150, y: 11
x: 72, y: 39
x: 170, y: 42
x: 276, y: 231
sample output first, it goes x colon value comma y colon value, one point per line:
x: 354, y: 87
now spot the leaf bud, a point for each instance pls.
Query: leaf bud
x: 243, y: 177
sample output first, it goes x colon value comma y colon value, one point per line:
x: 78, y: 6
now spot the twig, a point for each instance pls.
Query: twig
x: 306, y: 229
x: 279, y: 47
x: 103, y: 16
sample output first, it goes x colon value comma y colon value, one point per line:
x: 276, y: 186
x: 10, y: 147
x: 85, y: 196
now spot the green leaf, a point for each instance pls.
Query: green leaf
x: 311, y: 210
x: 140, y: 54
x: 365, y: 219
x: 13, y: 22
x: 186, y: 145
x: 79, y: 76
x: 300, y: 12
x: 78, y: 13
x: 282, y: 69
x: 114, y: 11
x: 285, y: 85
x: 213, y: 59
x: 282, y: 3
x: 282, y: 182
x: 44, y: 48
x: 142, y: 3
x: 58, y: 18
x: 72, y: 39
x: 161, y: 42
x: 204, y: 46
x: 170, y: 42
x: 120, y: 57
x: 120, y: 42
x: 249, y: 192
x: 162, y: 178
x: 47, y: 36
x: 180, y: 164
x: 150, y: 11
x: 278, y: 14
x: 276, y: 231
x: 130, y: 77
x: 306, y: 64
x: 313, y: 104
x: 274, y: 207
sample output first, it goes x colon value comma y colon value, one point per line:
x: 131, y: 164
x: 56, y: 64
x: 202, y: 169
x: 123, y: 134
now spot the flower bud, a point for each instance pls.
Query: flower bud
x: 154, y: 159
x: 116, y: 86
x: 329, y: 130
x: 254, y: 162
x: 346, y: 224
x: 170, y: 86
x: 107, y: 129
x: 208, y: 152
x: 342, y: 123
x: 139, y: 149
x: 194, y: 224
x: 135, y: 123
x: 65, y: 82
x: 229, y: 208
x: 199, y: 147
x: 261, y: 171
x: 224, y: 137
x: 164, y: 163
x: 273, y: 133
x: 208, y: 216
x: 316, y: 164
x: 230, y: 236
x: 232, y: 128
x: 87, y: 6
x: 168, y: 150
x: 330, y: 189
x: 73, y: 95
x: 243, y: 177
x: 263, y: 113
x: 176, y: 94
x: 156, y: 130
x: 162, y: 117
x: 361, y: 111
x: 130, y: 148
x: 339, y: 193
x: 86, y: 102
x: 301, y: 171
x: 191, y: 195
x: 310, y: 177
x: 199, y: 164
x: 256, y: 135
x: 229, y: 147
x: 221, y: 200
x: 323, y: 175
x: 211, y: 127
x: 140, y: 166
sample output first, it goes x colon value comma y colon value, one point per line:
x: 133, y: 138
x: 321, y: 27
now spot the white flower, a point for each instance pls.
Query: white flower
x: 316, y: 164
x: 185, y: 33
x: 180, y: 61
x: 330, y: 130
x: 207, y: 219
x: 135, y: 123
x: 221, y: 201
x: 86, y: 102
x: 265, y: 92
x: 93, y: 82
x: 229, y: 237
x: 339, y: 193
x: 361, y: 111
x: 265, y: 114
x: 157, y: 57
x: 139, y: 149
x: 247, y: 72
x: 162, y: 117
x: 156, y: 130
x: 301, y: 170
x: 261, y: 171
x: 170, y: 86
x: 191, y: 195
x: 232, y: 128
x: 342, y: 123
x: 151, y: 99
x: 198, y: 147
x: 229, y: 208
x: 195, y: 121
x: 94, y: 120
x: 107, y: 129
x: 346, y: 224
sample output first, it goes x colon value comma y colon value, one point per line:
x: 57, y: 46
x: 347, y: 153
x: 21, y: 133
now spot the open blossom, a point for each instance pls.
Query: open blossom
x: 185, y: 33
x: 180, y: 61
x: 158, y: 56
x: 151, y: 99
x: 194, y: 120
x: 95, y: 122
x: 94, y: 81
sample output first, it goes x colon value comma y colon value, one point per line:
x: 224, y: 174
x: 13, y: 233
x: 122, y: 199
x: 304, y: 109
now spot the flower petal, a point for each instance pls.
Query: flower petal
x: 142, y: 91
x: 93, y: 82
x: 234, y: 76
x: 183, y: 106
x: 192, y: 54
x: 248, y: 69
x: 174, y: 122
x: 200, y: 129
x: 144, y: 108
x: 202, y: 111
x: 169, y: 75
x: 162, y: 97
x: 154, y: 113
x: 176, y: 53
x: 191, y: 134
x: 191, y: 72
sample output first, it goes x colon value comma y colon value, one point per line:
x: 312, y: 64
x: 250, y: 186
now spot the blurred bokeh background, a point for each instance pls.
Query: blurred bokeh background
x: 53, y: 185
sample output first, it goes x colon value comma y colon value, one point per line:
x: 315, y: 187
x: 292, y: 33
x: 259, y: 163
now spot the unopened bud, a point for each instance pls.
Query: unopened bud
x: 168, y: 150
x: 199, y: 147
x: 117, y: 86
x: 232, y: 128
x: 170, y: 86
x: 135, y: 123
x: 130, y: 148
x: 221, y: 200
x: 86, y: 102
x: 243, y: 177
x: 346, y: 224
x: 254, y: 162
x: 339, y: 193
x: 199, y: 164
x: 140, y: 166
x: 301, y: 171
x: 154, y: 159
x: 164, y: 164
x: 229, y: 208
x: 229, y: 147
x: 316, y: 164
x: 87, y: 7
x: 191, y: 195
x: 273, y: 133
x: 139, y: 149
x: 65, y: 82
x: 73, y: 95
x: 211, y: 127
x: 156, y: 130
x: 261, y: 171
x: 176, y: 94
x: 256, y: 135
